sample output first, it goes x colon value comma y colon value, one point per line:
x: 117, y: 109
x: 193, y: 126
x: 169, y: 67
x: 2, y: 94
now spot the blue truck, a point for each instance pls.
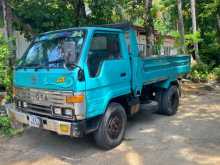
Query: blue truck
x: 86, y: 80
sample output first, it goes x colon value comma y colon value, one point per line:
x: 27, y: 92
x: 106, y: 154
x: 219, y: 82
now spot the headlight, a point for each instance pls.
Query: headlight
x: 57, y: 111
x: 25, y: 105
x: 68, y: 112
x: 19, y: 104
x: 65, y: 112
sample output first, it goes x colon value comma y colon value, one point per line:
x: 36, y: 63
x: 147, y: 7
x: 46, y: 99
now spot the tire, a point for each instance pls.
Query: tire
x: 168, y: 101
x: 112, y: 128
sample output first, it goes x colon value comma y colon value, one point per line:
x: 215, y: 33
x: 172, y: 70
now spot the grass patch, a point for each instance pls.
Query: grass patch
x: 6, y: 127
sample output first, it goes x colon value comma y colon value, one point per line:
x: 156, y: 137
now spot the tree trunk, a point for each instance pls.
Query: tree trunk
x: 79, y: 10
x: 7, y: 14
x: 181, y: 26
x: 218, y: 26
x: 7, y: 19
x: 149, y: 27
x: 194, y: 26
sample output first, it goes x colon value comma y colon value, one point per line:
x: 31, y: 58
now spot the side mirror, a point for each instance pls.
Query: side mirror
x: 81, y: 75
x: 70, y: 66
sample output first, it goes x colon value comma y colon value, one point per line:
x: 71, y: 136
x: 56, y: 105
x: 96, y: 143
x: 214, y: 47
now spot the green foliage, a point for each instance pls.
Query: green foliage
x: 42, y: 16
x: 1, y: 17
x: 210, y: 48
x: 5, y: 71
x: 200, y: 73
x: 5, y: 126
x: 102, y: 11
x: 208, y: 36
x: 203, y: 73
x: 162, y: 17
x: 216, y: 73
x: 192, y: 38
x: 45, y: 15
x: 207, y: 23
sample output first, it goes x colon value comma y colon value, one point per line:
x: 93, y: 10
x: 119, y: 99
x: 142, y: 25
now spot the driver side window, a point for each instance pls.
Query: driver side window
x: 103, y: 47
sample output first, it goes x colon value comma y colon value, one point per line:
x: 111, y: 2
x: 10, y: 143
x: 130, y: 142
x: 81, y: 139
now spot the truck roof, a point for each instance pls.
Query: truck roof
x: 123, y: 26
x: 110, y: 27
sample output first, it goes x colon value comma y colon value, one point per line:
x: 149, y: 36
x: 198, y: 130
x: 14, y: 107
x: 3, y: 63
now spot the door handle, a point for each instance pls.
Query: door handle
x: 123, y: 74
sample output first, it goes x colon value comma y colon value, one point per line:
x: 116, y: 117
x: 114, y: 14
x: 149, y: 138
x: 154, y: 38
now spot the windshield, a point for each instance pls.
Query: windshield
x: 54, y: 50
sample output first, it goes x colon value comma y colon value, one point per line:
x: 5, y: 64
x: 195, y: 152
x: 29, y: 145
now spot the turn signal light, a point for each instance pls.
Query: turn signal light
x: 75, y: 99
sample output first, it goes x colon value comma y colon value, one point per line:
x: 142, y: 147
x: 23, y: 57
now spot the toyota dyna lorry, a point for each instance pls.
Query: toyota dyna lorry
x: 86, y: 80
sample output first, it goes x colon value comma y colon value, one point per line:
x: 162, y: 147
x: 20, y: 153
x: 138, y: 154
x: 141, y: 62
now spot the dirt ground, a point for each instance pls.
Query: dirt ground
x: 190, y: 137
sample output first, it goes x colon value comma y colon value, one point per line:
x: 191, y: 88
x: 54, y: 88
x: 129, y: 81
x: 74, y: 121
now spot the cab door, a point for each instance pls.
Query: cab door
x: 107, y: 71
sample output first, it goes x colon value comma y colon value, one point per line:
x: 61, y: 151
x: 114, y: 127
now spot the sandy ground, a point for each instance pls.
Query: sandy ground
x: 190, y: 137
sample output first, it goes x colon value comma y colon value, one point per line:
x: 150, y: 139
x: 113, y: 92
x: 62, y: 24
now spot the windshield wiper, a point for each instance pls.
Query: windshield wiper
x: 25, y: 66
x: 19, y: 67
x: 40, y: 66
x: 68, y: 65
x: 55, y: 61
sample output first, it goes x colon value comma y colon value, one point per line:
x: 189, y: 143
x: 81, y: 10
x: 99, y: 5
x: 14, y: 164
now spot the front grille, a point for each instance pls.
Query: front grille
x: 43, y: 97
x: 41, y: 101
x: 38, y: 109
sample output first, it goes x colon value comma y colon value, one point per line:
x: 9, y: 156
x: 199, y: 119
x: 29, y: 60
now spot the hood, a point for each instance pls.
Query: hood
x: 49, y: 79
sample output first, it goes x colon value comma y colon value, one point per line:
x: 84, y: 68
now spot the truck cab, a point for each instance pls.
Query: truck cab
x: 88, y: 80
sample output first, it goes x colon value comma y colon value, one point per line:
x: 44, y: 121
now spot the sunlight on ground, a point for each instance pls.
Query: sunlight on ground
x: 174, y: 138
x: 190, y: 137
x: 132, y: 157
x: 150, y: 130
x: 42, y: 161
x: 199, y: 158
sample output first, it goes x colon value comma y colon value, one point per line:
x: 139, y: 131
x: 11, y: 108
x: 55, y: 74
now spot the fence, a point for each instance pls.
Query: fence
x: 155, y: 50
x: 21, y: 43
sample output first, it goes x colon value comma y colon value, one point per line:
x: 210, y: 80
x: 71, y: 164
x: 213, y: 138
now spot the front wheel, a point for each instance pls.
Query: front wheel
x: 112, y: 128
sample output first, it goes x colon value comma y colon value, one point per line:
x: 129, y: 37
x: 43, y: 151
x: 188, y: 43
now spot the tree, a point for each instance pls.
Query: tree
x: 194, y: 27
x: 7, y: 17
x: 149, y: 27
x: 218, y: 24
x: 101, y: 11
x: 34, y: 17
x: 181, y: 25
x: 79, y: 11
x: 209, y: 47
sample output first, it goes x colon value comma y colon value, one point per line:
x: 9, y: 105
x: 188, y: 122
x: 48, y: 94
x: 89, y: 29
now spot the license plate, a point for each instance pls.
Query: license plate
x: 34, y: 121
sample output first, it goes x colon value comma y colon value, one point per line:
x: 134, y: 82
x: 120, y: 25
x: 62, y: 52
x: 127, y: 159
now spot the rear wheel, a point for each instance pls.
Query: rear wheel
x: 168, y: 100
x: 112, y: 127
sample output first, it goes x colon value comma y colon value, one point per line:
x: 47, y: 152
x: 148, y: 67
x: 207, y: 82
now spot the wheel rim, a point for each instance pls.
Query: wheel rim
x: 114, y: 126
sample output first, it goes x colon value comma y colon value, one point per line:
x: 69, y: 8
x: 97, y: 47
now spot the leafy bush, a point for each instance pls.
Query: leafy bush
x: 5, y: 126
x: 210, y: 48
x: 216, y: 72
x: 203, y: 73
x: 5, y: 71
x: 200, y: 73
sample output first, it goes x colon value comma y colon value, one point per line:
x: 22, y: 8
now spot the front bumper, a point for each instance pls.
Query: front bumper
x: 74, y: 129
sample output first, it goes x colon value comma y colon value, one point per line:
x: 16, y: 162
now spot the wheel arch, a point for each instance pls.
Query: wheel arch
x: 167, y: 83
x: 122, y: 100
